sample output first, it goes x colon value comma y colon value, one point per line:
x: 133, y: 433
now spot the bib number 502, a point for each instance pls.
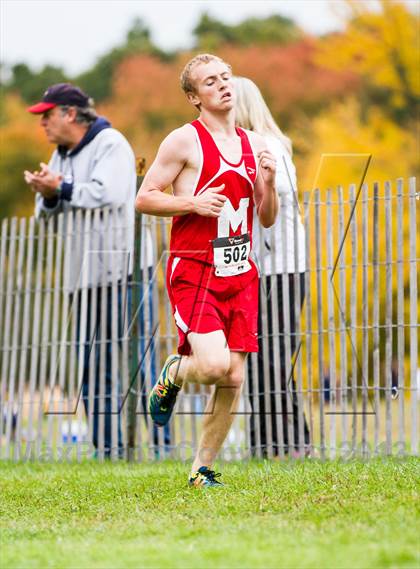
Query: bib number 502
x: 235, y: 254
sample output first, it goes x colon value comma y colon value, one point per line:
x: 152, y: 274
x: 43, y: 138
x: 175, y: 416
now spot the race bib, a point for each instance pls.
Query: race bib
x: 231, y: 255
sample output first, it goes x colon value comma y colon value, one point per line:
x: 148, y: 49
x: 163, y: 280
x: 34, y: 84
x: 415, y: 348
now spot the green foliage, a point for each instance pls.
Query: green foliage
x: 276, y: 29
x: 31, y: 84
x: 270, y: 515
x: 272, y: 30
x: 98, y: 80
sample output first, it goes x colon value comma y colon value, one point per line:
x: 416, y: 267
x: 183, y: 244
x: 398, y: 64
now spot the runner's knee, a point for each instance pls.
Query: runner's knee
x: 212, y: 370
x: 235, y: 378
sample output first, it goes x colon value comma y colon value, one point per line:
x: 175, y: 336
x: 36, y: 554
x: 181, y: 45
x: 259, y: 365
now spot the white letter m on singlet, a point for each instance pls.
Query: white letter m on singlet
x: 230, y: 217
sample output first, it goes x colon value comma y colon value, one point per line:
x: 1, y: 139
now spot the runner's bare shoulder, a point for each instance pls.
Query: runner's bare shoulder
x: 257, y: 141
x: 179, y: 144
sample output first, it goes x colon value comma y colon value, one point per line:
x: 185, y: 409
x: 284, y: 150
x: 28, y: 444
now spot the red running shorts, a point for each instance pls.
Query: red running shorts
x: 203, y: 302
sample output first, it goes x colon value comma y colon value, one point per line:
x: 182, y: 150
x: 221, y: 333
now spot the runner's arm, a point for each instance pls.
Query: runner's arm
x: 265, y: 194
x: 169, y: 162
x: 171, y: 158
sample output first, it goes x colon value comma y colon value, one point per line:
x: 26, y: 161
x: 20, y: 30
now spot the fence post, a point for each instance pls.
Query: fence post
x: 388, y: 318
x: 375, y: 318
x: 134, y: 344
x: 308, y: 313
x: 353, y: 318
x: 320, y: 321
x: 332, y: 365
x: 414, y: 304
x: 14, y: 333
x: 25, y: 336
x: 401, y: 328
x: 343, y: 326
x: 365, y: 321
x: 133, y: 350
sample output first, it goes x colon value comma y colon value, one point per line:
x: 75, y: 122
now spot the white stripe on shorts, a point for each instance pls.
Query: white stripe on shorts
x: 179, y: 322
x: 174, y: 265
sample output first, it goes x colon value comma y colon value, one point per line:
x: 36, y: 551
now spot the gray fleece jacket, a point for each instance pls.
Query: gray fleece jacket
x: 100, y: 171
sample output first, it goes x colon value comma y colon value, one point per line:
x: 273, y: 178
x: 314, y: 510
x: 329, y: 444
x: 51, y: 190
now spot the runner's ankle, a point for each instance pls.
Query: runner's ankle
x: 174, y: 377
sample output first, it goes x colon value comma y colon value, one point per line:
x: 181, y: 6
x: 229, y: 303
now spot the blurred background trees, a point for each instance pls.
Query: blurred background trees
x: 211, y: 33
x: 382, y: 49
x: 354, y: 91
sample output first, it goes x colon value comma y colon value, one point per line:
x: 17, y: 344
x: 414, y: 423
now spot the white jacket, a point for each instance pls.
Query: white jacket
x: 269, y: 245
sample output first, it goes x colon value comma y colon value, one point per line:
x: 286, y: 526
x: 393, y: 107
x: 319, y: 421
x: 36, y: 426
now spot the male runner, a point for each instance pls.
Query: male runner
x: 216, y: 171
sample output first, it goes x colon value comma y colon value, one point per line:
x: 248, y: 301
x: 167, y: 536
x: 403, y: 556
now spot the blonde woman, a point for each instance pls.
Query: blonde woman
x: 275, y: 250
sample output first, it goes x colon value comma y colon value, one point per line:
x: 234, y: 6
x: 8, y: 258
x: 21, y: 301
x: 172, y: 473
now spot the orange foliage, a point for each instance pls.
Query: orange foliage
x: 147, y: 100
x: 288, y: 75
x: 22, y: 146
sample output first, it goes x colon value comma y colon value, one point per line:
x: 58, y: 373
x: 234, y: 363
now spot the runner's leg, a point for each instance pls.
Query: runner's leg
x: 208, y: 363
x: 220, y: 412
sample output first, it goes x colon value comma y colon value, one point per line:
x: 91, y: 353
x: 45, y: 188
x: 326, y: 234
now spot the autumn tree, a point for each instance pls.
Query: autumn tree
x: 292, y: 84
x: 23, y: 147
x: 29, y: 84
x: 379, y: 48
x: 382, y: 47
x: 381, y: 122
x: 98, y: 80
x: 211, y: 33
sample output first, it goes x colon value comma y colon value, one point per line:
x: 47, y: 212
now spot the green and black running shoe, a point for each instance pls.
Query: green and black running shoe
x: 204, y: 477
x: 163, y: 395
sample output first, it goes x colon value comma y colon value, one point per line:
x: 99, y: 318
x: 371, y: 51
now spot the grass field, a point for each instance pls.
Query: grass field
x: 268, y: 515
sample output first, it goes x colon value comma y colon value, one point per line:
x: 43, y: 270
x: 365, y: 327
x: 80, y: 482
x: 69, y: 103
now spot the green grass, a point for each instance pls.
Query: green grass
x: 269, y: 515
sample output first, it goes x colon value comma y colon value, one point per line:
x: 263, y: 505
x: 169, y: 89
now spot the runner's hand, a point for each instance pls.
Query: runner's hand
x: 210, y: 202
x: 267, y: 166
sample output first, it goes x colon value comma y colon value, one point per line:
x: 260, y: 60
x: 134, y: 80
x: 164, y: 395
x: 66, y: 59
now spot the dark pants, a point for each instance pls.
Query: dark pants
x: 144, y: 332
x: 257, y: 386
x: 93, y: 343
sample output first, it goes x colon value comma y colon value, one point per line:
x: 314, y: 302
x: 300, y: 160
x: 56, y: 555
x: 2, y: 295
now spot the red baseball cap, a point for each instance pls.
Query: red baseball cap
x: 60, y: 94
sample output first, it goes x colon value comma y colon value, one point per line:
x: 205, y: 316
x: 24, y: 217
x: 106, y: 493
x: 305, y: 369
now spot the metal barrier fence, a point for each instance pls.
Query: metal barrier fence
x: 337, y: 376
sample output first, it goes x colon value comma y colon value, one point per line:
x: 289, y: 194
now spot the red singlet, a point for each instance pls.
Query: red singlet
x: 202, y: 300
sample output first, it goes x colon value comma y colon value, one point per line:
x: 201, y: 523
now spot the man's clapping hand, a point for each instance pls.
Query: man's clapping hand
x: 43, y: 181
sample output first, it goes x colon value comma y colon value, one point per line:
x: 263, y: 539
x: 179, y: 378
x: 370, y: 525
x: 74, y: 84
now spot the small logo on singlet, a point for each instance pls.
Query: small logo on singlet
x: 237, y: 240
x: 250, y: 170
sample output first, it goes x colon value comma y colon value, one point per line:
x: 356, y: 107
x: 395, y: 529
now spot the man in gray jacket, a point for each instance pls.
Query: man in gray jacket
x: 93, y: 166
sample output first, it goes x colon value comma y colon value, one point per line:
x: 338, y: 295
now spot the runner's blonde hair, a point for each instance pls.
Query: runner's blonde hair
x: 187, y: 83
x: 251, y: 112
